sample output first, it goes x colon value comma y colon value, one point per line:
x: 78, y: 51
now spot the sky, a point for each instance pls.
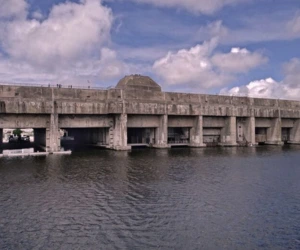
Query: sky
x: 228, y: 47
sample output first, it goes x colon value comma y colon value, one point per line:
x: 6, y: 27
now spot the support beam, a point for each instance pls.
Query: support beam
x: 295, y: 133
x: 274, y: 132
x: 53, y: 135
x: 196, y: 133
x: 161, y: 133
x: 120, y: 133
x: 228, y: 132
x: 1, y: 137
x: 249, y: 131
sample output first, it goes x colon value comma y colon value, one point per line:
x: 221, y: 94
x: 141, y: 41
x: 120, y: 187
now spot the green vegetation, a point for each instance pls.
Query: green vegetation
x: 17, y: 132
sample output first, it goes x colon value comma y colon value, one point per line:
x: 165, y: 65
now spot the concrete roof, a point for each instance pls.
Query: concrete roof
x: 138, y: 82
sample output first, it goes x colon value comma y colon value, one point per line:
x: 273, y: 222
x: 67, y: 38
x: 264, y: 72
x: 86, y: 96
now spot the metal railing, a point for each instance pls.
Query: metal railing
x: 71, y: 86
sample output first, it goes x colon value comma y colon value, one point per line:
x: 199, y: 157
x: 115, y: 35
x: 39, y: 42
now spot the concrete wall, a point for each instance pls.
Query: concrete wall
x: 142, y: 121
x: 262, y: 122
x: 24, y: 121
x: 287, y: 123
x: 40, y: 100
x: 85, y: 121
x: 181, y: 121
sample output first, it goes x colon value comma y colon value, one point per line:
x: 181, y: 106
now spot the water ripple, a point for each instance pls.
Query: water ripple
x: 226, y: 198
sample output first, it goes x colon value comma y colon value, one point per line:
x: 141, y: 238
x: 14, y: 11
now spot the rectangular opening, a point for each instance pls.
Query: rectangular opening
x: 178, y: 135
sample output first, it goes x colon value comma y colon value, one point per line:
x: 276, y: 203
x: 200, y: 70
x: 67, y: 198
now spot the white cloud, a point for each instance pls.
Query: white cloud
x: 238, y: 60
x: 13, y: 8
x: 37, y: 15
x: 69, y: 45
x: 70, y: 32
x: 288, y: 88
x: 198, y: 66
x: 267, y: 27
x: 293, y: 26
x: 264, y: 88
x: 198, y: 6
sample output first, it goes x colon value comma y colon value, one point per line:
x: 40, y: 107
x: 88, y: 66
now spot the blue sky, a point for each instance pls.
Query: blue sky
x: 235, y: 47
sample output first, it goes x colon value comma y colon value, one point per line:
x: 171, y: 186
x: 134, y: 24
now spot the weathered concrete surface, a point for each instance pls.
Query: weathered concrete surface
x: 1, y: 136
x: 196, y: 138
x: 120, y: 133
x: 143, y: 121
x: 161, y: 134
x: 295, y: 132
x: 85, y: 121
x: 138, y: 102
x: 52, y: 134
x: 39, y: 100
x: 250, y: 130
x: 274, y: 132
x: 24, y: 121
x: 228, y: 132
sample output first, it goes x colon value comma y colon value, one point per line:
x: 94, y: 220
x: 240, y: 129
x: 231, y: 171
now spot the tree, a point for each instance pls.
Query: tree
x: 17, y: 132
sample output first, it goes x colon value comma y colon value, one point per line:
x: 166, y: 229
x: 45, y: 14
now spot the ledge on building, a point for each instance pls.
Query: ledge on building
x: 197, y: 145
x: 121, y: 148
x: 228, y: 144
x: 294, y: 142
x: 279, y: 143
x: 161, y: 146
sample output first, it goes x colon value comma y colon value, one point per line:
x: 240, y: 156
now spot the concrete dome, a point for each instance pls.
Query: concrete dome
x: 138, y: 82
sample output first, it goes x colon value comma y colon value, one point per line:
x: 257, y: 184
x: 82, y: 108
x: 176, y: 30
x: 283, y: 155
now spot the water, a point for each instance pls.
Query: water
x: 213, y: 198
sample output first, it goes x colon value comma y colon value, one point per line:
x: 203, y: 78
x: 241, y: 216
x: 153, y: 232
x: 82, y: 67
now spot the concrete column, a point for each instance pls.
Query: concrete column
x: 120, y: 133
x: 295, y: 133
x: 161, y: 133
x: 228, y: 132
x: 52, y: 134
x: 1, y: 136
x: 249, y: 131
x: 196, y: 133
x: 274, y: 132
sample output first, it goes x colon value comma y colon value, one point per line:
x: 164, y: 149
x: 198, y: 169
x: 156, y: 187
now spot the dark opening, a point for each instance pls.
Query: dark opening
x: 285, y: 134
x: 260, y: 135
x: 178, y: 135
x: 84, y: 137
x: 135, y: 136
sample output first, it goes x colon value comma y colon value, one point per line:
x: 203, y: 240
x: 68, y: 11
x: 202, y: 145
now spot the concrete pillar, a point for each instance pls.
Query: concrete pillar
x: 1, y: 136
x: 249, y: 131
x: 274, y: 132
x: 295, y: 133
x: 120, y: 133
x: 52, y: 134
x: 196, y: 133
x: 228, y: 132
x: 161, y: 133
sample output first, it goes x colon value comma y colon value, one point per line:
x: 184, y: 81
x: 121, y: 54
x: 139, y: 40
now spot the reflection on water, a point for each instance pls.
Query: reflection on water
x: 211, y: 198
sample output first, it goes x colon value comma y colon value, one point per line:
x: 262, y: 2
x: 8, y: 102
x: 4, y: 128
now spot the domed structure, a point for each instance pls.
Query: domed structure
x: 138, y: 82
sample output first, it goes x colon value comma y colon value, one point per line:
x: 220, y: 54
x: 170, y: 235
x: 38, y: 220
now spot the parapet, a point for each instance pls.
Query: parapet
x: 138, y: 82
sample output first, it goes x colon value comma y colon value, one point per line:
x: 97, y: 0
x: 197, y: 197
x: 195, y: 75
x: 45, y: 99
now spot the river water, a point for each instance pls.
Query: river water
x: 212, y: 198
